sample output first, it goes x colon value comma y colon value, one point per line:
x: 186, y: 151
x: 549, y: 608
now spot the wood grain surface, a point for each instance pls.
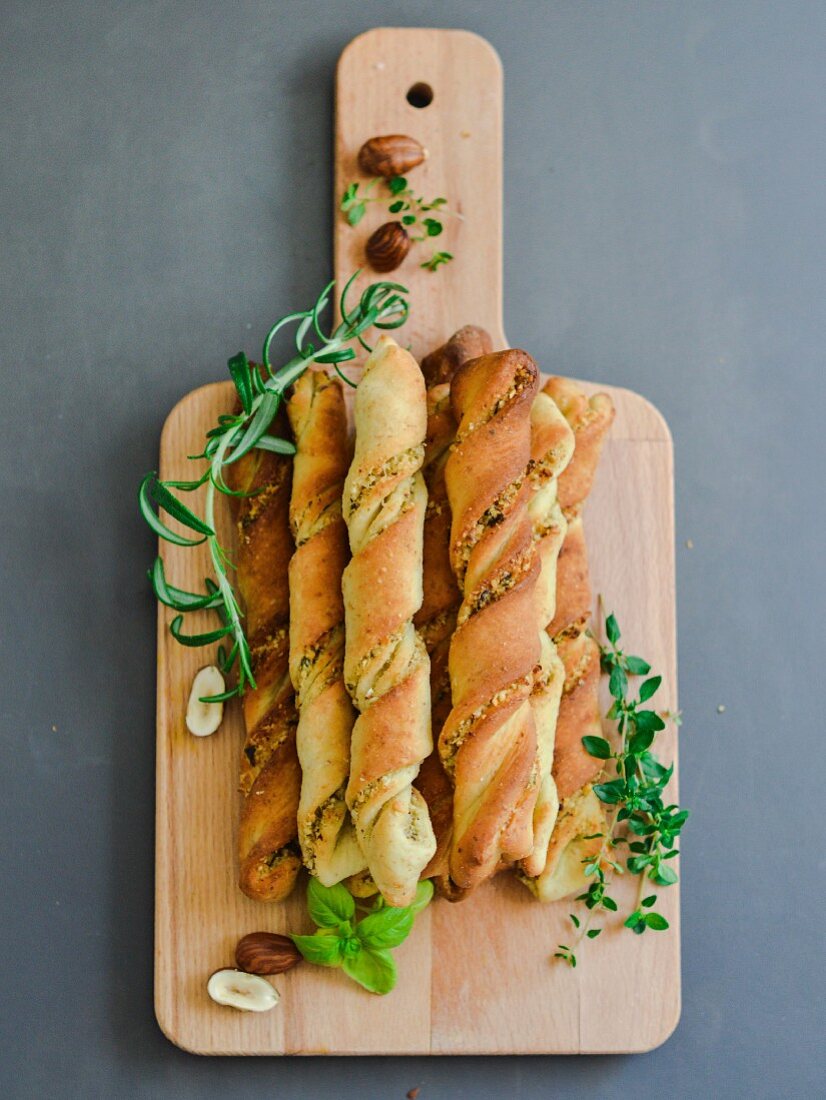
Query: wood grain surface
x: 474, y: 978
x: 462, y: 132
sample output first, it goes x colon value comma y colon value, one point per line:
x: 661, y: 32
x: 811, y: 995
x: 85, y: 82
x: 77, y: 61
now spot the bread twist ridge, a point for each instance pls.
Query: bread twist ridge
x: 552, y: 445
x: 270, y: 776
x: 325, y: 831
x: 488, y: 744
x: 581, y: 814
x: 436, y: 619
x: 386, y: 664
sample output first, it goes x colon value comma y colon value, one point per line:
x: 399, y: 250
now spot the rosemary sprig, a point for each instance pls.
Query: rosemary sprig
x: 260, y: 393
x: 635, y: 797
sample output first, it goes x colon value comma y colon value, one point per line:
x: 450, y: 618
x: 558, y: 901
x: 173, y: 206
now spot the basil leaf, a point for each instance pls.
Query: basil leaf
x: 387, y: 928
x: 373, y: 969
x: 329, y: 906
x: 424, y: 894
x: 322, y: 948
x: 612, y: 630
x: 597, y: 747
x: 396, y: 185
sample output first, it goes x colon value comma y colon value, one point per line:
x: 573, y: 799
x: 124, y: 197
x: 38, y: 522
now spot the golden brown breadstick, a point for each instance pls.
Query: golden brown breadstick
x: 581, y: 814
x: 270, y: 776
x: 488, y: 745
x: 387, y: 670
x: 552, y: 444
x: 326, y: 715
x: 436, y: 619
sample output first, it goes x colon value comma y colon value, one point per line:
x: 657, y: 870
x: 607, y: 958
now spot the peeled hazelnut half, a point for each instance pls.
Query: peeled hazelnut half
x: 390, y: 155
x: 247, y: 992
x: 387, y: 247
x: 202, y: 719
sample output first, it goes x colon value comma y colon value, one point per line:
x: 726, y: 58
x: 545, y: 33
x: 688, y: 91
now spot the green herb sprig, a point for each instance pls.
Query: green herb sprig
x: 260, y: 393
x: 362, y: 948
x: 436, y: 260
x: 417, y: 213
x: 635, y: 797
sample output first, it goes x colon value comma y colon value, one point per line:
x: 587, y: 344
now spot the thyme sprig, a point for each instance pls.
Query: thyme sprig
x: 635, y: 797
x: 260, y: 393
x: 417, y: 213
x: 436, y: 260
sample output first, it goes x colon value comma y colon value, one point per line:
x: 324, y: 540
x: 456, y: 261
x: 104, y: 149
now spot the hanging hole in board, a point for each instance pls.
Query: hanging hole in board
x: 420, y: 95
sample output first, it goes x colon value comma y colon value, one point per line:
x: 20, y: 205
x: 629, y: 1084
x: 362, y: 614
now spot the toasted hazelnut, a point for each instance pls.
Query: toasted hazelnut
x: 390, y: 155
x: 266, y: 953
x: 247, y: 992
x: 202, y: 719
x: 387, y: 247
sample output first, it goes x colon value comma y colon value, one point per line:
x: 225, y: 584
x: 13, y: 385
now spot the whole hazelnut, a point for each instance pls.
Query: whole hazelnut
x: 387, y: 247
x: 390, y: 155
x: 266, y: 953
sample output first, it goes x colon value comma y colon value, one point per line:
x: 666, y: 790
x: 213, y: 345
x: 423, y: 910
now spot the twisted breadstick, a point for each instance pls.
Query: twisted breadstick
x: 270, y: 776
x: 552, y: 444
x: 386, y: 665
x: 325, y: 831
x: 488, y: 744
x: 436, y: 619
x: 581, y: 814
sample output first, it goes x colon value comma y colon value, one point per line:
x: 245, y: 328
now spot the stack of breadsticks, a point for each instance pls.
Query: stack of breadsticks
x: 418, y: 606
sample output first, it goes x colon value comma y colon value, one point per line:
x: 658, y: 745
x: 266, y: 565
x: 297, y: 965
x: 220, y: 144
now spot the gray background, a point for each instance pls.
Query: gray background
x: 165, y: 194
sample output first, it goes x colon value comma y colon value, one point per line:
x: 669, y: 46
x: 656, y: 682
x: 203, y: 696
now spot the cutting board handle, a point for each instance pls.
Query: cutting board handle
x: 456, y: 78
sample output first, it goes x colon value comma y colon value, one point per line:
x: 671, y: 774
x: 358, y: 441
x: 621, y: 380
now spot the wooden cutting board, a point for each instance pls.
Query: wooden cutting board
x: 474, y: 978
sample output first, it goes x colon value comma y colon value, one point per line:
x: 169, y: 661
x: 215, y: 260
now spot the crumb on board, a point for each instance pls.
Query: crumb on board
x: 689, y: 544
x: 721, y: 708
